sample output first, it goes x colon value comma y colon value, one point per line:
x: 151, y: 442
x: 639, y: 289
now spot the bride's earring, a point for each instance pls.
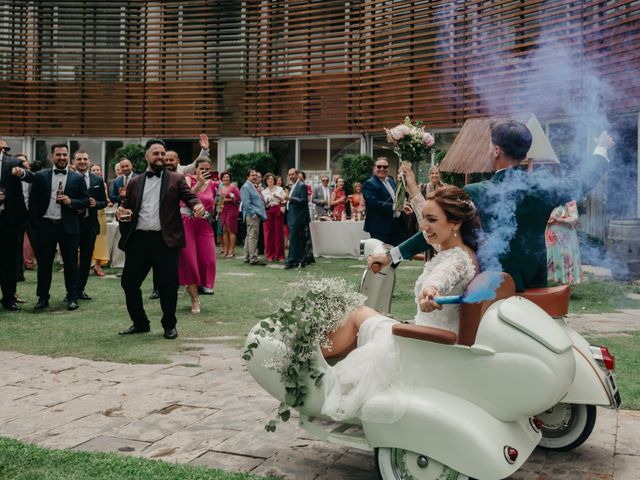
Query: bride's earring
x: 455, y: 234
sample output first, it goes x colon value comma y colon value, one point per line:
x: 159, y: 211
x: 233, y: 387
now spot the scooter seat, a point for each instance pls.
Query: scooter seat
x: 422, y: 332
x: 553, y: 300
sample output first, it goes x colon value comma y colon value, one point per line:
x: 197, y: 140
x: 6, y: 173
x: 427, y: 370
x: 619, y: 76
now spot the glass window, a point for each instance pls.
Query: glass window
x: 313, y: 154
x: 284, y: 151
x: 338, y: 148
x: 233, y: 147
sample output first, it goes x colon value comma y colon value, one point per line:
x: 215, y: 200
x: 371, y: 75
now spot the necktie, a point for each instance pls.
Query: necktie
x: 59, y: 172
x: 126, y: 181
x: 152, y: 174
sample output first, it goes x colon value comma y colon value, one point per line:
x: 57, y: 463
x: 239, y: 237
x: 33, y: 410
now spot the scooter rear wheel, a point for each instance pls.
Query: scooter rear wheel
x: 566, y: 426
x: 399, y: 464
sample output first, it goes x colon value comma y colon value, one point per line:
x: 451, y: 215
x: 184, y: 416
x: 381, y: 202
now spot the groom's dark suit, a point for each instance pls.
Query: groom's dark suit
x: 297, y: 220
x: 158, y: 249
x: 535, y: 196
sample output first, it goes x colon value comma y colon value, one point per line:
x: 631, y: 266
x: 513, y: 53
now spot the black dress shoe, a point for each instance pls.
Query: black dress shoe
x: 170, y: 333
x: 289, y: 266
x: 258, y: 262
x: 133, y: 330
x: 155, y: 295
x: 205, y: 291
x: 41, y: 305
x: 84, y: 296
x: 12, y: 306
x: 72, y: 305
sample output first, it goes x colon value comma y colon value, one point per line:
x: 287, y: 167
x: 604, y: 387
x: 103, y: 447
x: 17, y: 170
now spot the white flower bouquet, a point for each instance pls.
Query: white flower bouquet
x: 302, y: 326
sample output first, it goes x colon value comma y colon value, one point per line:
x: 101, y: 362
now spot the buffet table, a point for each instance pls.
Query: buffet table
x: 337, y: 239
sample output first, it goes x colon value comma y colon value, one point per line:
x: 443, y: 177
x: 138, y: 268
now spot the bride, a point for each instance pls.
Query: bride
x: 450, y: 223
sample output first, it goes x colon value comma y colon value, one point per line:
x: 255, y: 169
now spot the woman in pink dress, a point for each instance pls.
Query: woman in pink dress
x: 339, y: 201
x: 228, y: 207
x: 197, y: 261
x: 274, y: 226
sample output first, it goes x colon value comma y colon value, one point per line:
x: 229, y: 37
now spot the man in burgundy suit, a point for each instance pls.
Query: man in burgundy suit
x: 152, y: 236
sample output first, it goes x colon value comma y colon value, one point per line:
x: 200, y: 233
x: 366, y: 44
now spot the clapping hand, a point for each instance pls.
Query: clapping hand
x: 198, y: 210
x: 426, y: 299
x: 17, y: 172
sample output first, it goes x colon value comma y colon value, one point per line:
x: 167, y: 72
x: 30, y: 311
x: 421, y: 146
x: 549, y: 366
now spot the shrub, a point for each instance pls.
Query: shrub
x: 135, y: 153
x: 240, y: 164
x: 355, y: 168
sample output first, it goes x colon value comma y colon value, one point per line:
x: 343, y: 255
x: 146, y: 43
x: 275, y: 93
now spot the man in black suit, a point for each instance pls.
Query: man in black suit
x: 297, y: 219
x: 89, y: 225
x: 12, y: 214
x: 57, y: 195
x: 379, y: 191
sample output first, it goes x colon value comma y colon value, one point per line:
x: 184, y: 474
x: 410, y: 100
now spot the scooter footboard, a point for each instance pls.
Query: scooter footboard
x: 452, y: 431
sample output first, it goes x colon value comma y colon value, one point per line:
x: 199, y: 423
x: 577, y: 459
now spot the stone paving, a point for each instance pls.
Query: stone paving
x: 205, y: 409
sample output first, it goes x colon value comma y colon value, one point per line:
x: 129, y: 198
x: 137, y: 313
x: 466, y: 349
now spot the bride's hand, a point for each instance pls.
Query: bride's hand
x: 426, y: 299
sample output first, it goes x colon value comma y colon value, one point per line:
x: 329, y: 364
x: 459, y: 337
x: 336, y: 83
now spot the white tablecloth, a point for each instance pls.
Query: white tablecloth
x: 116, y: 255
x: 337, y: 239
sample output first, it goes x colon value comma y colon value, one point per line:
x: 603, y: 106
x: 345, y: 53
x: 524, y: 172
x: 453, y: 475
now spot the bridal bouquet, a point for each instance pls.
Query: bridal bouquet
x: 302, y: 325
x: 412, y: 144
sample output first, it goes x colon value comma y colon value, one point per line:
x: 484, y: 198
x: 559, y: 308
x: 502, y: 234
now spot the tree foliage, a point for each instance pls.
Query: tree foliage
x: 355, y: 168
x: 240, y: 164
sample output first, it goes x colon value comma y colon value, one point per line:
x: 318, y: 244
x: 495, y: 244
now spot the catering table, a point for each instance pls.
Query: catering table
x: 337, y: 239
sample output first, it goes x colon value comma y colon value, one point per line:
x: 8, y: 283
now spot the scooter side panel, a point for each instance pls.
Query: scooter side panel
x: 452, y: 431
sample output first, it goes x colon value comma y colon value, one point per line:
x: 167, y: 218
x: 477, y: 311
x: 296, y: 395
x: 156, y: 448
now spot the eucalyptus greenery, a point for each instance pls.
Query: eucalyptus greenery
x: 302, y: 327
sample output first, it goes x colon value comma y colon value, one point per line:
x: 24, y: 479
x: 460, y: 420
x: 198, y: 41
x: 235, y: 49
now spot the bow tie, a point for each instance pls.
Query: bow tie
x: 59, y: 172
x: 153, y: 174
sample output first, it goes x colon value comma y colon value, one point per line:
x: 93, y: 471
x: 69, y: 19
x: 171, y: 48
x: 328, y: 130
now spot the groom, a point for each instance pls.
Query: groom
x: 531, y: 197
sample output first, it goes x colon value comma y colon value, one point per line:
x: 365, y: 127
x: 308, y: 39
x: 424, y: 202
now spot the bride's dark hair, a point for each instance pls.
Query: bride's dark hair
x: 459, y: 208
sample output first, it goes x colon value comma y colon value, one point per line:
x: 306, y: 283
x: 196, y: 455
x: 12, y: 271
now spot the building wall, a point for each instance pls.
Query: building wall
x: 291, y: 68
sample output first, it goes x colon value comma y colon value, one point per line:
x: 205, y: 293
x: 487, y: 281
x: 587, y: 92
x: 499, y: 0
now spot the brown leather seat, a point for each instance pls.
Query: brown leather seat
x: 553, y: 300
x: 471, y: 313
x: 422, y: 332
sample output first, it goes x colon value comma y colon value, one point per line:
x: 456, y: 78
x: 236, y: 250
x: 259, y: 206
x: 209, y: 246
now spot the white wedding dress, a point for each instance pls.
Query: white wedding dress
x: 373, y: 366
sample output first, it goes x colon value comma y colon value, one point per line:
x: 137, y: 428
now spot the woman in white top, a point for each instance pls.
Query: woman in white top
x: 274, y: 226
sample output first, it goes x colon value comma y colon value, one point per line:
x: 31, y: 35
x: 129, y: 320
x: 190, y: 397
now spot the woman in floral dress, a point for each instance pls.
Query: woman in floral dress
x: 563, y: 249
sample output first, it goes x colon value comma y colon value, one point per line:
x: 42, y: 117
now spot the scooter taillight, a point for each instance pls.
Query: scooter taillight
x: 603, y: 356
x: 536, y: 423
x: 510, y: 454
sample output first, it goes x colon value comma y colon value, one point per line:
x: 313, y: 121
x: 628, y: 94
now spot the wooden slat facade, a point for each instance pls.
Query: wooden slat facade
x: 289, y: 68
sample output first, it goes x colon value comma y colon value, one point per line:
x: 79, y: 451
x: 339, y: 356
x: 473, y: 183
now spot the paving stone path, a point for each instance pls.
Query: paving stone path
x: 205, y: 409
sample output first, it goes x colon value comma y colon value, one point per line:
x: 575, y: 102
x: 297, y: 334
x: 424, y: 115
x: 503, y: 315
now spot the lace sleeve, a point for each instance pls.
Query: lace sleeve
x: 417, y: 203
x: 445, y: 273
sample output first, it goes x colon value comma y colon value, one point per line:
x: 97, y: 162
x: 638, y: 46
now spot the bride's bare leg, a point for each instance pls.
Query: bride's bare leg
x: 344, y: 338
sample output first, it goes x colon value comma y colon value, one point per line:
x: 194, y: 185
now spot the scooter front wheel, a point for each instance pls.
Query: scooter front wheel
x: 566, y: 426
x: 399, y: 464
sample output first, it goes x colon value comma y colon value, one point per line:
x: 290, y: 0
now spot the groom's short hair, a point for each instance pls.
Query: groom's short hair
x: 514, y: 138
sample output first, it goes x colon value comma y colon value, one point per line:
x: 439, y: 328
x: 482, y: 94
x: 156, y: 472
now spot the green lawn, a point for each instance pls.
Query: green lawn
x: 22, y: 461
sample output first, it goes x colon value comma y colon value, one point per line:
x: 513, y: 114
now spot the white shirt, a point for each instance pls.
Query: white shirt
x: 269, y: 198
x: 54, y: 210
x: 149, y: 214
